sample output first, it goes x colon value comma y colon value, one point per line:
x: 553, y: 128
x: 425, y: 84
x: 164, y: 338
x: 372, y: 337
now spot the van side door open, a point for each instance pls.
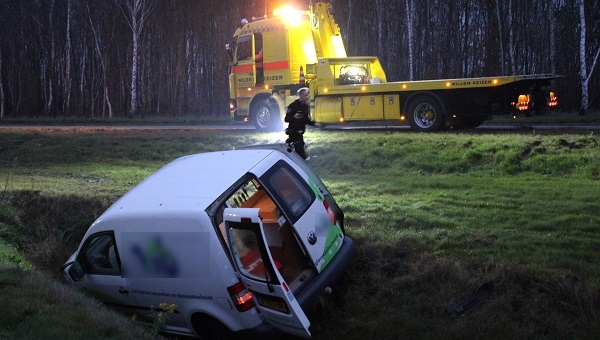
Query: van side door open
x: 260, y: 273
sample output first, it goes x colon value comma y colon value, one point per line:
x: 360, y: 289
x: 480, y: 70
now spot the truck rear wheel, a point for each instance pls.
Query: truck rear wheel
x: 265, y: 117
x: 425, y: 114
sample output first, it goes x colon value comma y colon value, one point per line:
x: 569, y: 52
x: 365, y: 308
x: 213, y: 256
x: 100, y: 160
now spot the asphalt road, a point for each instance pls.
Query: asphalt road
x: 482, y: 128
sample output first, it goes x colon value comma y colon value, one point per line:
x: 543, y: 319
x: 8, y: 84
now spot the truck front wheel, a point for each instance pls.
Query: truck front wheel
x: 265, y: 117
x: 425, y: 114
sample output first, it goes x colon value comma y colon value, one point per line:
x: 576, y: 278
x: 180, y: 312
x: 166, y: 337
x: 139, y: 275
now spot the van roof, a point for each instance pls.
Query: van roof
x: 188, y: 184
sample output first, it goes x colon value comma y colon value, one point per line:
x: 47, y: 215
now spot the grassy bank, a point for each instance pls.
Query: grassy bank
x: 434, y: 216
x: 36, y: 306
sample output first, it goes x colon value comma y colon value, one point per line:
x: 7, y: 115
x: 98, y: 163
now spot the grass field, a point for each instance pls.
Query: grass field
x: 434, y: 216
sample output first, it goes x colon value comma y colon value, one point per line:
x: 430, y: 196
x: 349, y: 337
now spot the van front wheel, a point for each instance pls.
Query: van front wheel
x: 208, y: 327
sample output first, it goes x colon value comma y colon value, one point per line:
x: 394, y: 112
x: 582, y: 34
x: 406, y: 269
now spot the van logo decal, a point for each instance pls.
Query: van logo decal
x: 312, y: 238
x: 165, y: 254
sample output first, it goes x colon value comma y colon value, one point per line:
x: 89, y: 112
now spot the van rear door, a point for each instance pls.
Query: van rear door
x: 307, y: 208
x: 260, y: 273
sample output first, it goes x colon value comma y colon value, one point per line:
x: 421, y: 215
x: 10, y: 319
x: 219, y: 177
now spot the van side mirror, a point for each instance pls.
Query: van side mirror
x: 76, y: 271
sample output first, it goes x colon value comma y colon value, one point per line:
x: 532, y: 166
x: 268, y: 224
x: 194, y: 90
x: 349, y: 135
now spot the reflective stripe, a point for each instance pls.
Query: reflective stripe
x: 273, y: 66
x: 278, y: 65
x: 242, y: 68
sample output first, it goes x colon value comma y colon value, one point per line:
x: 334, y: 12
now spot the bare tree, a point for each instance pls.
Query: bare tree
x: 68, y: 51
x: 52, y: 62
x: 136, y: 13
x: 500, y: 34
x: 56, y: 58
x: 2, y: 100
x: 584, y: 75
x: 2, y: 94
x: 410, y: 37
x: 550, y: 18
x: 349, y: 6
x: 380, y: 34
x: 103, y: 64
x: 511, y: 39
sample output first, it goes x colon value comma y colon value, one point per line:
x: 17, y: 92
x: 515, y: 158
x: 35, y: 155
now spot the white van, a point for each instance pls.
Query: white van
x: 237, y: 242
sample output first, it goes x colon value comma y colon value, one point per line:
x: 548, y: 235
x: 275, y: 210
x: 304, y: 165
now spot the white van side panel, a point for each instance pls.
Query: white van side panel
x: 207, y: 295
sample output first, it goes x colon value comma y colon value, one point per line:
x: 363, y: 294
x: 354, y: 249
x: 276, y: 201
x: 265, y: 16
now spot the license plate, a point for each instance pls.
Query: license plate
x: 272, y: 302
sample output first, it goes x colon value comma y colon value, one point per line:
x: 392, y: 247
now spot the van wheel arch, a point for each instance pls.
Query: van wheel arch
x: 208, y: 327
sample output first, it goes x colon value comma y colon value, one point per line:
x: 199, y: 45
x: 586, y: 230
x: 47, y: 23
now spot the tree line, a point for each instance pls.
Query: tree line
x: 117, y: 58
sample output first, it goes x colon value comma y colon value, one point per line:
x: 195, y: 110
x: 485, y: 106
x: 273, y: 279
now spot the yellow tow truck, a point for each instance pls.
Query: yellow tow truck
x: 272, y: 57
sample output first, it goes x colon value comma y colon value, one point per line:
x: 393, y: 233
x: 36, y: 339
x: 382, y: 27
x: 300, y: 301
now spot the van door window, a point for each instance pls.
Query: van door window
x: 247, y: 252
x: 289, y: 189
x: 100, y: 255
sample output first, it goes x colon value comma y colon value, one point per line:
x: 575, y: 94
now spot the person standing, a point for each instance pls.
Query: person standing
x: 297, y: 117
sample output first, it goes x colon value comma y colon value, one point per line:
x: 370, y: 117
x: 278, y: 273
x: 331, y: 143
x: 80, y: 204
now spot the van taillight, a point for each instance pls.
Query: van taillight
x: 338, y: 215
x: 241, y: 296
x: 326, y: 204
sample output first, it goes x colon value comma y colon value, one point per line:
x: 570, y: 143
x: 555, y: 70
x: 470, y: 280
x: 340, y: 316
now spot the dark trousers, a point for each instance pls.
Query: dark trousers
x: 297, y: 140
